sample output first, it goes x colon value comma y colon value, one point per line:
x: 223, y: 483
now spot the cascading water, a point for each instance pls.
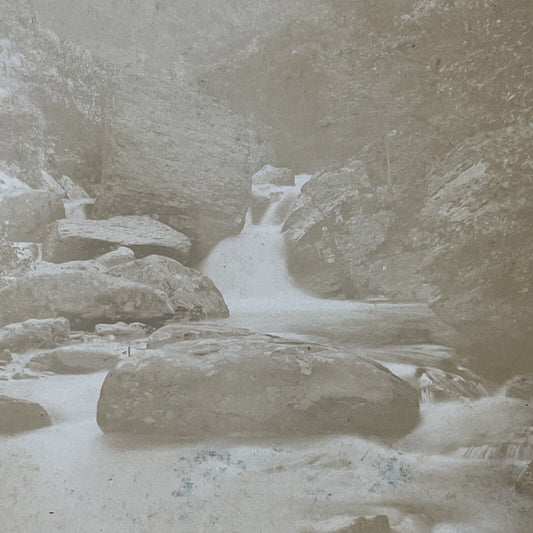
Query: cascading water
x: 250, y: 268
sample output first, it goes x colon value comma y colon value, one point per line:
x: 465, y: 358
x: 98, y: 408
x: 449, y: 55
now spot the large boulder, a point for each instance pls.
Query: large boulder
x: 335, y: 234
x: 185, y: 287
x: 256, y: 386
x: 69, y: 240
x: 32, y: 333
x: 83, y: 294
x: 24, y: 213
x: 178, y: 155
x: 21, y: 415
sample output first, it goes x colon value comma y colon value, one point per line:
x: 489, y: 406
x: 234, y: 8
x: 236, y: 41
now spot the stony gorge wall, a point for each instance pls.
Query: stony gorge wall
x: 134, y: 134
x: 434, y: 98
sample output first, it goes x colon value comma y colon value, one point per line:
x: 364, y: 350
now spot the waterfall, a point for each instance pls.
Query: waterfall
x: 250, y: 268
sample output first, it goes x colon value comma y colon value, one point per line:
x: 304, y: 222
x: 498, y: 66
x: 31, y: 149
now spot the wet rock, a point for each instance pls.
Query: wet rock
x: 69, y: 240
x: 21, y: 415
x: 33, y: 333
x: 79, y: 358
x: 121, y: 329
x: 254, y: 386
x: 524, y: 483
x: 520, y: 387
x: 25, y: 213
x: 187, y: 289
x: 173, y: 333
x: 116, y: 257
x: 82, y: 294
x: 273, y: 175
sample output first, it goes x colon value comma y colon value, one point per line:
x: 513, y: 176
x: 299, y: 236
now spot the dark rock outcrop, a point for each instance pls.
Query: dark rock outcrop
x: 21, y: 415
x: 186, y: 288
x: 30, y: 334
x: 253, y: 385
x: 69, y: 240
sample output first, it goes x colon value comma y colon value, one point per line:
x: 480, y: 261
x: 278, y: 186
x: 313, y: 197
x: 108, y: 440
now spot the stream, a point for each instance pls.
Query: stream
x: 453, y: 473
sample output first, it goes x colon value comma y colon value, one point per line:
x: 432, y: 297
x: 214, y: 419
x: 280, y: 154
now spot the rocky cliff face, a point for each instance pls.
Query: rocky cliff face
x: 449, y: 201
x: 176, y: 155
x: 133, y: 134
x: 51, y: 97
x: 432, y: 98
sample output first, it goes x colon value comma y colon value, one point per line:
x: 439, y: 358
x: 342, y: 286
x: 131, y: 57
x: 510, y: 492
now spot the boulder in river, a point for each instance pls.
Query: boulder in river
x: 24, y: 213
x: 79, y: 358
x: 21, y: 415
x: 187, y: 289
x: 68, y: 240
x: 82, y: 294
x: 254, y: 386
x: 34, y: 333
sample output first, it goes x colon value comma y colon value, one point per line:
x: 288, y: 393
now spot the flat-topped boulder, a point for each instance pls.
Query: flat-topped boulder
x: 21, y: 415
x: 25, y: 212
x: 69, y: 240
x: 83, y: 294
x: 255, y: 386
x: 33, y: 333
x: 173, y: 333
x: 80, y: 358
x: 187, y: 289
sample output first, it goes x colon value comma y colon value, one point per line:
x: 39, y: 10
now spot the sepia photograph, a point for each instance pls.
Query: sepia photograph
x: 266, y: 266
